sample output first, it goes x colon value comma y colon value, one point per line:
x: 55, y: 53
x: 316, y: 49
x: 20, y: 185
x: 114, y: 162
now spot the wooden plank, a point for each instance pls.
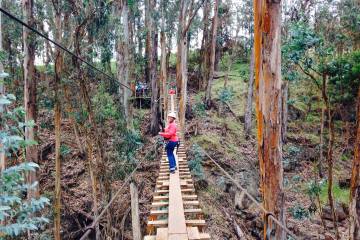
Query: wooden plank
x: 191, y: 202
x: 165, y: 211
x: 193, y: 233
x: 158, y: 223
x: 177, y: 224
x: 192, y: 210
x: 158, y: 198
x: 205, y: 236
x: 178, y: 236
x: 189, y: 197
x: 161, y: 234
x: 165, y: 191
x: 150, y: 237
x: 196, y: 222
x: 159, y: 204
x: 159, y: 212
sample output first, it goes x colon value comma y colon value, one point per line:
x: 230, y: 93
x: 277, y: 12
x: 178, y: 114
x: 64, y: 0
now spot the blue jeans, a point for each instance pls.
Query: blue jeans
x: 170, y: 154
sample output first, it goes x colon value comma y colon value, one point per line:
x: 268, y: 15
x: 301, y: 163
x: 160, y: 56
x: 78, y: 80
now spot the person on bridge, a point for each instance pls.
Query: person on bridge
x: 170, y: 135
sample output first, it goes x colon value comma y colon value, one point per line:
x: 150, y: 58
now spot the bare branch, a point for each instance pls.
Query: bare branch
x: 192, y: 15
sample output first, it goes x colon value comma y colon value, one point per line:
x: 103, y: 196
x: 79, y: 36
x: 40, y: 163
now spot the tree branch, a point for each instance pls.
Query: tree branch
x: 309, y: 75
x: 191, y: 17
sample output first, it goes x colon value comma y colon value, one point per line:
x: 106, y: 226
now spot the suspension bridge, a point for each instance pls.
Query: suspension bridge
x: 175, y: 210
x: 175, y: 213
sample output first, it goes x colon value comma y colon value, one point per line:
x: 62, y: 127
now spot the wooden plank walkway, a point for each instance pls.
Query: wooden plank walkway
x: 175, y: 212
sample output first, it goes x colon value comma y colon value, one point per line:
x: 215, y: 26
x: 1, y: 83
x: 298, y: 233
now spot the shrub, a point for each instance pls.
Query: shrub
x: 226, y: 95
x: 17, y: 214
x: 299, y: 212
x: 199, y: 109
x: 196, y: 156
x: 64, y: 150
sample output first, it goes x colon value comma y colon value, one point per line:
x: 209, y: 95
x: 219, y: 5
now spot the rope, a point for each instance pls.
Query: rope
x: 90, y: 228
x: 260, y: 206
x: 11, y: 16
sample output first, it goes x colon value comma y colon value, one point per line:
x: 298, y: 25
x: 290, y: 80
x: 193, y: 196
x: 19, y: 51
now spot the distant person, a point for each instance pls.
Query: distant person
x: 170, y: 135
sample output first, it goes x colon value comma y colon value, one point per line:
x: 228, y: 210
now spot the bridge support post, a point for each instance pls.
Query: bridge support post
x: 135, y: 221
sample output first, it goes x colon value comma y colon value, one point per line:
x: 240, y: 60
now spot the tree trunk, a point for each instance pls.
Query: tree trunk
x: 135, y: 217
x: 132, y: 74
x: 267, y: 54
x: 57, y: 120
x: 321, y: 159
x: 30, y: 91
x: 204, y: 47
x: 330, y: 153
x: 212, y: 54
x: 152, y: 61
x: 163, y: 73
x: 97, y: 132
x: 355, y: 182
x: 148, y: 39
x: 71, y: 112
x: 249, y: 101
x: 285, y: 93
x: 185, y: 18
x: 124, y: 64
x: 181, y: 43
x: 2, y: 93
x: 93, y: 185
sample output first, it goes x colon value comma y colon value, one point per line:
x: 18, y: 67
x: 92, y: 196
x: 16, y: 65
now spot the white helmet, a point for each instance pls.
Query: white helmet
x: 172, y: 114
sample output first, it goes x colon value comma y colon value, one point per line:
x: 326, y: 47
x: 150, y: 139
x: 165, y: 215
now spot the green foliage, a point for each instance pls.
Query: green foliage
x: 104, y: 106
x: 313, y: 189
x: 64, y: 150
x: 19, y: 214
x: 340, y: 195
x: 226, y: 95
x: 199, y: 109
x: 126, y: 147
x: 343, y: 73
x: 299, y: 212
x: 12, y: 135
x: 196, y: 156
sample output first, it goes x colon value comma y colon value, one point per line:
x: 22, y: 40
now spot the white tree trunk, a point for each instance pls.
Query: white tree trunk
x: 249, y: 101
x: 123, y: 62
x: 212, y: 53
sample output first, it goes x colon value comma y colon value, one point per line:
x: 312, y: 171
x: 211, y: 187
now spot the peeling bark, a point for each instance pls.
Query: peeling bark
x: 163, y: 73
x: 355, y: 182
x: 123, y: 63
x: 267, y: 21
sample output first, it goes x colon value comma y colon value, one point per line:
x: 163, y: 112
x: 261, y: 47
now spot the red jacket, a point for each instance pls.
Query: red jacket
x: 170, y: 132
